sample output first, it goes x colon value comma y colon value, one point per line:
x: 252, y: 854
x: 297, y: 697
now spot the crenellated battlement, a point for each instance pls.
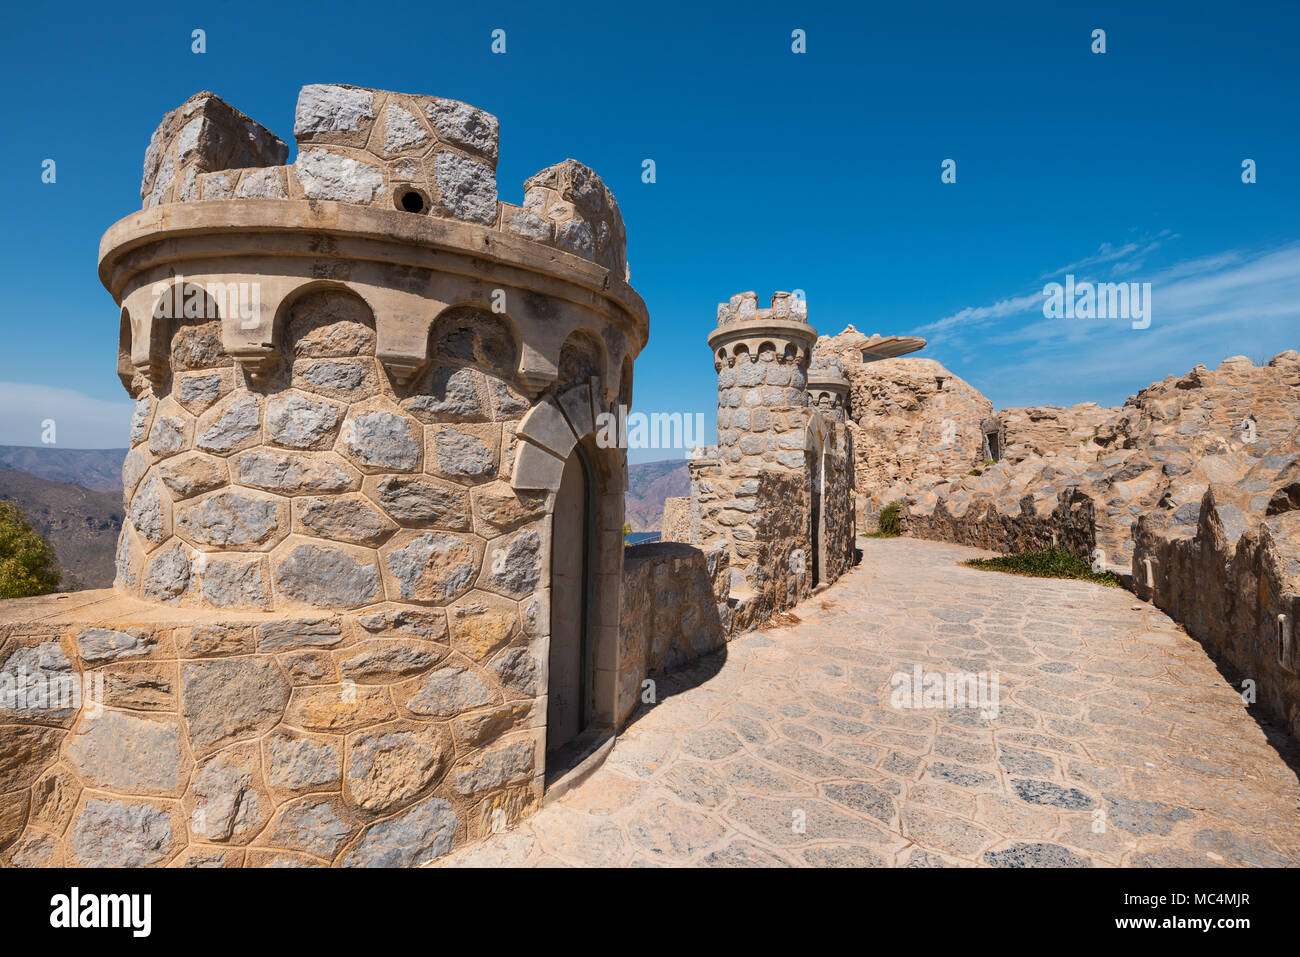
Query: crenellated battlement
x: 747, y: 334
x: 416, y: 154
x: 743, y: 307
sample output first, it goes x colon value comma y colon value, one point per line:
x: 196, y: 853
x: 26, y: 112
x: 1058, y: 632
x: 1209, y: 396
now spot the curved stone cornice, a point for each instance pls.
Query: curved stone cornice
x: 751, y: 334
x: 827, y: 383
x: 408, y: 267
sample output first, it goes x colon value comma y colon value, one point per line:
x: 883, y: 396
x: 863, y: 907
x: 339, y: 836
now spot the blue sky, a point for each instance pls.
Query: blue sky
x: 818, y: 171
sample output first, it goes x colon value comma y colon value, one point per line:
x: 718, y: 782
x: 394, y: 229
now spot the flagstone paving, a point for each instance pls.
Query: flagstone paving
x: 1116, y: 741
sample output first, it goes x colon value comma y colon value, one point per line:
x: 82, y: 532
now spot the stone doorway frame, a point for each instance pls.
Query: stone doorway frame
x: 548, y: 434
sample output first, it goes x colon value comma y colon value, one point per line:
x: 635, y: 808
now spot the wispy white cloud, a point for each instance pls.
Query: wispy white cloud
x: 1237, y: 302
x: 977, y: 315
x: 1123, y: 258
x: 80, y: 421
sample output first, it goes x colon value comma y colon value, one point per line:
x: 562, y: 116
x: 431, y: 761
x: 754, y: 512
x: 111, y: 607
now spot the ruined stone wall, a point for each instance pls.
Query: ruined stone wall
x: 1050, y: 430
x: 1030, y: 524
x: 674, y: 607
x: 1158, y: 453
x: 913, y: 423
x: 1231, y: 576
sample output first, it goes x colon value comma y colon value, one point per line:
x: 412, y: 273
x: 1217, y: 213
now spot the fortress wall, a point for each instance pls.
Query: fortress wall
x: 1026, y: 525
x: 674, y: 609
x: 1231, y: 576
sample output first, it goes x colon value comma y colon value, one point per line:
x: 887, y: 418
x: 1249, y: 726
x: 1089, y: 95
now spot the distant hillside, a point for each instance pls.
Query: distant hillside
x: 649, y: 483
x: 81, y: 524
x: 97, y: 469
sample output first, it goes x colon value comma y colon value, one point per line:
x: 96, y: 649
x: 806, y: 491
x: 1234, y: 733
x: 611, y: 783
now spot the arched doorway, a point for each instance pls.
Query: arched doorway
x: 569, y: 692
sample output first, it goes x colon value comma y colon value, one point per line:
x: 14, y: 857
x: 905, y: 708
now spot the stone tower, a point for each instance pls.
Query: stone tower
x: 753, y: 495
x: 828, y: 387
x: 370, y: 574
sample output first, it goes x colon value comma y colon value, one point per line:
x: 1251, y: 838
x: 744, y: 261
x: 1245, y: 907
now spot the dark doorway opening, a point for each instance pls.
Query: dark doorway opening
x: 569, y: 688
x: 816, y: 537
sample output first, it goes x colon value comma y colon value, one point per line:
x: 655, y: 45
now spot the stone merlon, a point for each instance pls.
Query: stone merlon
x: 422, y: 155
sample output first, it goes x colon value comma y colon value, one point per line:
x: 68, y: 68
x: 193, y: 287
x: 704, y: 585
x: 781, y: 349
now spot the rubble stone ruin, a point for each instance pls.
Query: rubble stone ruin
x: 371, y: 591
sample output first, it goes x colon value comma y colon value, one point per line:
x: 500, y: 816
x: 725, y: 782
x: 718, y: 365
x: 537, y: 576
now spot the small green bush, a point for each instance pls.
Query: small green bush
x: 891, y: 522
x: 1053, y: 563
x: 27, y: 562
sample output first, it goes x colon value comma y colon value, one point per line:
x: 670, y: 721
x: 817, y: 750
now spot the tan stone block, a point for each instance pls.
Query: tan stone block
x: 340, y: 708
x: 481, y: 624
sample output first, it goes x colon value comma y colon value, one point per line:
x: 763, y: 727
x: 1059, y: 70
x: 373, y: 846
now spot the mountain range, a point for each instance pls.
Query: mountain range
x: 74, y: 498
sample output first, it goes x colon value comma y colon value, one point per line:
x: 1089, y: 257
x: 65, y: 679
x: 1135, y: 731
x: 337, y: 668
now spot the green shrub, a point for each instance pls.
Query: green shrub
x: 1053, y: 563
x: 28, y: 565
x: 890, y: 524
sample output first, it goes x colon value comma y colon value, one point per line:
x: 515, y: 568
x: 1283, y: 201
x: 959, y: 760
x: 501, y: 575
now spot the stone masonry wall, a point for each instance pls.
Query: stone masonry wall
x: 1230, y: 573
x: 250, y: 739
x: 326, y: 486
x: 674, y: 606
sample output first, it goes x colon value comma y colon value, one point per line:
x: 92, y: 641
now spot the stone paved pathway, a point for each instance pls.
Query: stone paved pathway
x: 1116, y: 742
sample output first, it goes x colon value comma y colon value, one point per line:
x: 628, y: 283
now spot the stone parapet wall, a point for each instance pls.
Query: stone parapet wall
x: 381, y: 738
x: 674, y: 608
x: 1157, y: 454
x: 1228, y: 570
x: 676, y: 525
x: 1064, y: 521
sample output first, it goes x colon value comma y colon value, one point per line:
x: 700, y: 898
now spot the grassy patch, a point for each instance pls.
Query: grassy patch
x: 1052, y: 563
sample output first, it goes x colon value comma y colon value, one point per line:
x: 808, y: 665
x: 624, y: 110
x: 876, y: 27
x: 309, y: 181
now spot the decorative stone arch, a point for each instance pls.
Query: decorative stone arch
x: 583, y: 357
x: 182, y: 302
x: 126, y: 371
x: 293, y: 299
x: 474, y: 350
x: 550, y: 435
